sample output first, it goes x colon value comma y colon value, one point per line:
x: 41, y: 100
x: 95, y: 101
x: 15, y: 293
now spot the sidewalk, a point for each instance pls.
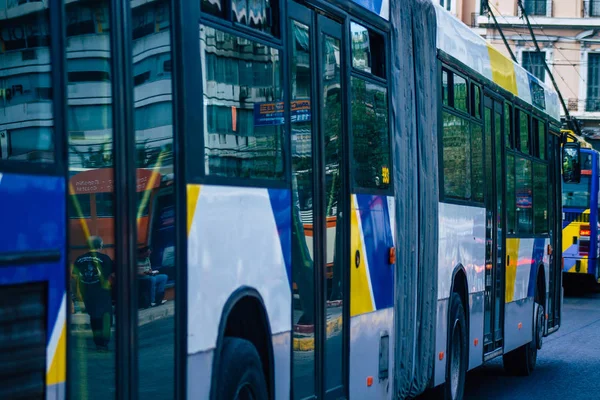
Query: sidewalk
x: 81, y: 321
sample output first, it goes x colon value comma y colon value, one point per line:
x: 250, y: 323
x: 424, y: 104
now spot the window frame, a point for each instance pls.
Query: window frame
x: 58, y: 167
x: 352, y: 72
x: 196, y: 170
x: 468, y: 116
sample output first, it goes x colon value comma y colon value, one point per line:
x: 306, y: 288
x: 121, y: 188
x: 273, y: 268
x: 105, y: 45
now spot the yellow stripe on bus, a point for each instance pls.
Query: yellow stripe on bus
x: 193, y: 192
x: 503, y: 70
x: 58, y: 368
x: 360, y: 289
x: 512, y: 251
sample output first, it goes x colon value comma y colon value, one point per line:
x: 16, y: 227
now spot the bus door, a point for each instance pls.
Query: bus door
x: 555, y: 275
x: 495, y: 220
x: 320, y: 193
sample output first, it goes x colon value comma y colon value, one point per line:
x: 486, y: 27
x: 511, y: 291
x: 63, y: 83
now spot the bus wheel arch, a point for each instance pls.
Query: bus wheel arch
x: 244, y: 317
x: 460, y: 286
x: 457, y: 344
x: 539, y: 310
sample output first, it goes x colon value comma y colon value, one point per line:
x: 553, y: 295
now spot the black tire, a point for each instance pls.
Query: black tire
x: 522, y: 361
x: 456, y: 350
x: 240, y: 374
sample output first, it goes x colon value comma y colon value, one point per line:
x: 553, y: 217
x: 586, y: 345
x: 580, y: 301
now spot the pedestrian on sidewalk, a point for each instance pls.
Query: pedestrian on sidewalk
x: 93, y: 270
x: 157, y: 281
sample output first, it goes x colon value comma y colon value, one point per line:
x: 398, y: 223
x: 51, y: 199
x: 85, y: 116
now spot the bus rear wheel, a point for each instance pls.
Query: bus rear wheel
x: 456, y: 364
x: 522, y: 361
x: 240, y: 374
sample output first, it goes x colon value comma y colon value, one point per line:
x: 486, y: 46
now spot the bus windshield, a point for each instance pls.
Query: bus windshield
x: 577, y: 195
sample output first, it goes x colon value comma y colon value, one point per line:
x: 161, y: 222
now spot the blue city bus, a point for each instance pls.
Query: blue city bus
x: 580, y: 247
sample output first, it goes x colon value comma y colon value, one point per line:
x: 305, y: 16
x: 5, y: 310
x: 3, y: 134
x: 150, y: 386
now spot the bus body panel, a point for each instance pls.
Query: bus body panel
x: 365, y: 333
x: 238, y: 237
x: 461, y: 245
x: 32, y: 211
x: 371, y: 293
x: 525, y: 257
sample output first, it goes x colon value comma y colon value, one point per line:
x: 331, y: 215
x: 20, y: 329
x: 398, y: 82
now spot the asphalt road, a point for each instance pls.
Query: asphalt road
x: 93, y: 373
x: 568, y: 366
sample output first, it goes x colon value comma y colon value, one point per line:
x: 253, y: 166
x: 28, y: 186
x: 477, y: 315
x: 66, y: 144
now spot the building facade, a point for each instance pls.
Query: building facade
x: 568, y: 34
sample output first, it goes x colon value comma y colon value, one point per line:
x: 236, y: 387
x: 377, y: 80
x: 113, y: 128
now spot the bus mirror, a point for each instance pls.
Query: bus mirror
x: 570, y: 162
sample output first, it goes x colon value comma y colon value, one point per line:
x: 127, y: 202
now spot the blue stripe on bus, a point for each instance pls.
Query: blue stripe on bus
x: 281, y: 204
x: 537, y: 256
x: 377, y: 233
x: 32, y: 212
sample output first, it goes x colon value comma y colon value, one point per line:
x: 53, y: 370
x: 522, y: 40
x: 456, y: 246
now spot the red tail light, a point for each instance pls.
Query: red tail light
x: 584, y: 240
x: 584, y: 230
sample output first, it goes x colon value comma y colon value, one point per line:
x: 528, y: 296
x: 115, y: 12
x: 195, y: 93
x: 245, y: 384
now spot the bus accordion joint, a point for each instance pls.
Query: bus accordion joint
x: 392, y: 256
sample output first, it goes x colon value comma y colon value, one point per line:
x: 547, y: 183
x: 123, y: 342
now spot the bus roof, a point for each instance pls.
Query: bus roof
x: 460, y: 42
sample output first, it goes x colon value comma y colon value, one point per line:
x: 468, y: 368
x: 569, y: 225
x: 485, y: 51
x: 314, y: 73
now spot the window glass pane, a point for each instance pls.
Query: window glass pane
x: 244, y: 123
x: 456, y: 157
x: 511, y: 199
x: 79, y: 206
x: 524, y: 205
x: 542, y: 140
x: 524, y: 132
x: 476, y: 107
x: 460, y: 93
x: 533, y: 61
x: 154, y: 160
x: 368, y: 50
x: 370, y: 132
x: 477, y: 161
x: 593, y: 82
x: 26, y: 116
x: 214, y: 7
x: 92, y: 239
x: 577, y: 195
x: 239, y: 9
x: 508, y: 127
x: 445, y: 88
x: 304, y: 203
x: 540, y: 197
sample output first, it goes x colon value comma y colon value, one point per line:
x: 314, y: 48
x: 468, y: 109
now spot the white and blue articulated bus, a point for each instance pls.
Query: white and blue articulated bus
x: 270, y: 199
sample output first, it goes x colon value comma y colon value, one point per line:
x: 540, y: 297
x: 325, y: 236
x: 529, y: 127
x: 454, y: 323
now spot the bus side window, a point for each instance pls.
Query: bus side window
x: 460, y: 93
x: 540, y: 198
x: 523, y: 142
x: 524, y: 198
x: 445, y: 87
x: 475, y: 101
x: 511, y: 200
x: 508, y: 127
x: 542, y: 139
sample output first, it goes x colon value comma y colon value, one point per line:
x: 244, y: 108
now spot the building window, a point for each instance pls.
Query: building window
x: 535, y: 7
x: 592, y: 8
x: 447, y: 4
x: 593, y: 89
x: 533, y: 61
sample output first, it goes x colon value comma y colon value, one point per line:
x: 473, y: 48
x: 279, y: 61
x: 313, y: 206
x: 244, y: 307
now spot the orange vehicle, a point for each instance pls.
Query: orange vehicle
x: 91, y: 210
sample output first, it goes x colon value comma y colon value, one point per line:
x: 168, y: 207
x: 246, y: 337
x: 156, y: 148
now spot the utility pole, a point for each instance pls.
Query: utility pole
x: 501, y: 33
x: 574, y: 126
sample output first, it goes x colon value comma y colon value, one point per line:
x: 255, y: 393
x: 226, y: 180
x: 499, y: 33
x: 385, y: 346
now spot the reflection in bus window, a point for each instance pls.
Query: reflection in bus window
x: 153, y: 124
x: 577, y: 195
x: 26, y: 126
x: 91, y: 206
x: 523, y: 194
x: 243, y: 107
x: 370, y: 133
